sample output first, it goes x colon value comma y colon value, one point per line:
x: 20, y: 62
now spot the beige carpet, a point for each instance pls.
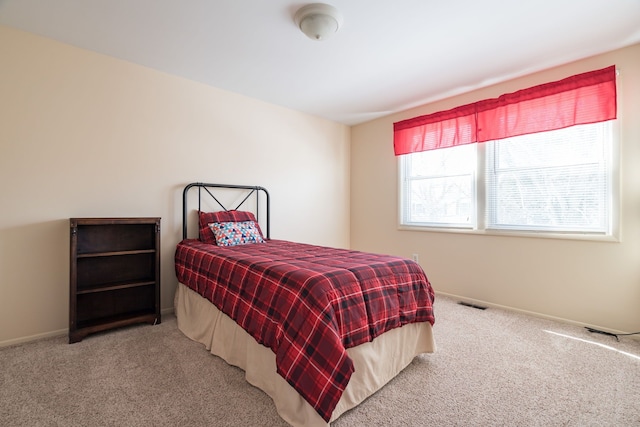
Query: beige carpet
x: 491, y: 368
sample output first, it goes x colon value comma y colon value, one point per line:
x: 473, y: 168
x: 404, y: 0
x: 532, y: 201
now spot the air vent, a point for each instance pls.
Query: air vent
x: 466, y: 304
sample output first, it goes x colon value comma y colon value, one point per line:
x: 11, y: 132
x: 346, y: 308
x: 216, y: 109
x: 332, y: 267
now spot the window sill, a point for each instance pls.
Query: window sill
x: 509, y: 233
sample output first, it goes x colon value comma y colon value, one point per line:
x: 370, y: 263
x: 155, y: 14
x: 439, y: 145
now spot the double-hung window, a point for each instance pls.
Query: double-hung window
x: 538, y: 161
x: 439, y: 187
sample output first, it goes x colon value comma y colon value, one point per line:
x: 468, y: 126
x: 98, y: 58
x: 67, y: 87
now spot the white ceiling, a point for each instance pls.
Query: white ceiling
x: 388, y: 56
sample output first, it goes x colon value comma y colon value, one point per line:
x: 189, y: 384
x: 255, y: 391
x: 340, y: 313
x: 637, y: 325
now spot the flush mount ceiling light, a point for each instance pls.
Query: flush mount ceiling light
x: 318, y: 21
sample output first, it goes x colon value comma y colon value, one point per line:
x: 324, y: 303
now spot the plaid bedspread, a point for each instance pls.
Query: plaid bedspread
x: 308, y: 303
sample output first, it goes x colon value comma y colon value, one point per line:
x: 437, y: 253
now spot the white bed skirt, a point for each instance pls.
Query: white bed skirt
x: 376, y: 362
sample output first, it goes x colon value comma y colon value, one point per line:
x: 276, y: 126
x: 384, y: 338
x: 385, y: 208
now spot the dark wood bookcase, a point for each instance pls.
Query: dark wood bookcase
x: 114, y: 274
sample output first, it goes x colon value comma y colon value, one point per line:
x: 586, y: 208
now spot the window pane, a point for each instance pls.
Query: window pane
x: 439, y: 187
x: 446, y: 200
x: 552, y: 181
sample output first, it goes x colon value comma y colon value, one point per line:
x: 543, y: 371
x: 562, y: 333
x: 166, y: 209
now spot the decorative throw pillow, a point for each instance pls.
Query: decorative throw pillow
x: 236, y: 233
x: 205, y: 218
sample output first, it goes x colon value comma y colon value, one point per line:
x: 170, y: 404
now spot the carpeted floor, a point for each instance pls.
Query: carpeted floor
x: 491, y: 368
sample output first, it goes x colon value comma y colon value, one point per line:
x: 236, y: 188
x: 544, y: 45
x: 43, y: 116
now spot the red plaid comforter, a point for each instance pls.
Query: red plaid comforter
x: 308, y: 303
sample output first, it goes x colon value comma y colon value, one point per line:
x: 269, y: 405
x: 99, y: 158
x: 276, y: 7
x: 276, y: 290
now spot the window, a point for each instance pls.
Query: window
x: 439, y: 187
x: 555, y: 182
x: 540, y: 160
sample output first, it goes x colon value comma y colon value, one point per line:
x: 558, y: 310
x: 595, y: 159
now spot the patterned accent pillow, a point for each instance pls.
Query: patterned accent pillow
x: 205, y: 218
x: 236, y: 233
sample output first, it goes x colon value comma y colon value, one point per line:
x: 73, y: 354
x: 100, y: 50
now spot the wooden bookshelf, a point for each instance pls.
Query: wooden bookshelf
x: 114, y: 274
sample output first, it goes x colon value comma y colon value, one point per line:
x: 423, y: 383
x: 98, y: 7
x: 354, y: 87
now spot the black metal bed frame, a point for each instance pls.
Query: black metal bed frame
x: 255, y: 190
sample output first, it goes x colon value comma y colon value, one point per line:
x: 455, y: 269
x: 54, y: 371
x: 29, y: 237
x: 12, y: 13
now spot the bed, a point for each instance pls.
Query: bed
x: 318, y: 329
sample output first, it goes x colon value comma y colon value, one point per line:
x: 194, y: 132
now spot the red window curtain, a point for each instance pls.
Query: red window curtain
x: 584, y: 98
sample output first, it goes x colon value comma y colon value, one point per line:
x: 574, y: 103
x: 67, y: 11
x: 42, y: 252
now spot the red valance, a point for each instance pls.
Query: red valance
x: 580, y: 99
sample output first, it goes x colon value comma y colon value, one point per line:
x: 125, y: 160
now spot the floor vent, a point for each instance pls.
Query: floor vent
x: 466, y: 304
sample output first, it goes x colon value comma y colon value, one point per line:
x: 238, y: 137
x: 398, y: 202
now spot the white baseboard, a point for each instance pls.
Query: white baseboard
x: 57, y: 333
x: 534, y: 314
x: 36, y: 337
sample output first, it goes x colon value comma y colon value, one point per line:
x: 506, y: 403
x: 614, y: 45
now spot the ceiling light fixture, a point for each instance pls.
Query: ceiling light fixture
x: 318, y: 21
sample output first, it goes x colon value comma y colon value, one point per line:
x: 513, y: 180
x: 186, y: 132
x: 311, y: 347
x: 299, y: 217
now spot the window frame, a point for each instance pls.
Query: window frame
x: 473, y: 190
x: 480, y: 227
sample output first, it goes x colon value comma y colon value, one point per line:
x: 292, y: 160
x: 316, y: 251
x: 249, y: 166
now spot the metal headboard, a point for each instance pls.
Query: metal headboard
x: 254, y: 190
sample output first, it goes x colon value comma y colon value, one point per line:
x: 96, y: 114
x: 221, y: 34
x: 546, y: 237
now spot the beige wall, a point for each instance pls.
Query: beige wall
x: 86, y: 135
x: 593, y: 283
